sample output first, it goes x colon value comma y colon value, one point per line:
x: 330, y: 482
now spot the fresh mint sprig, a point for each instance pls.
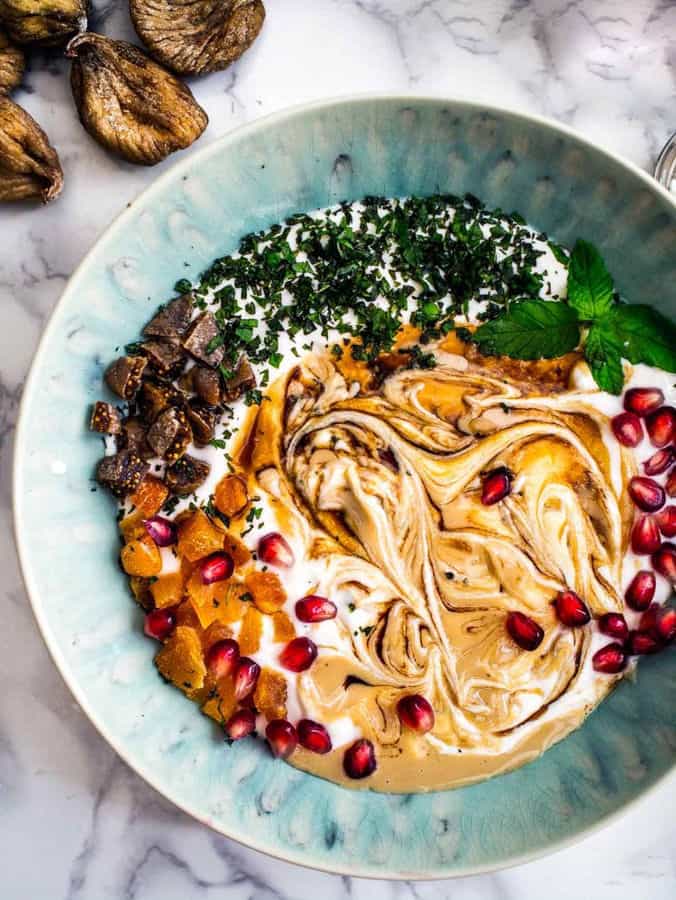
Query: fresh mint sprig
x: 609, y: 330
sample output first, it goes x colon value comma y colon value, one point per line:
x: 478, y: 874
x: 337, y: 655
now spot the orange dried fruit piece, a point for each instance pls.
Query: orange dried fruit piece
x: 233, y: 607
x: 198, y: 536
x: 231, y: 496
x: 270, y: 694
x: 167, y: 590
x: 237, y: 549
x: 149, y: 496
x: 215, y: 632
x: 131, y: 527
x: 186, y: 615
x: 140, y: 588
x: 283, y: 629
x: 250, y: 633
x: 214, y: 602
x: 266, y: 591
x: 180, y: 660
x: 141, y: 557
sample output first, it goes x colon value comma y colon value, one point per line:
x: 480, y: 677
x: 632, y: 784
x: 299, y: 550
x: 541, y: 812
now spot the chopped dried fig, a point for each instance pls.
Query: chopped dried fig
x: 121, y: 473
x: 132, y: 437
x: 242, y: 381
x: 105, y: 418
x: 43, y: 21
x: 124, y: 376
x: 29, y: 166
x: 203, y: 420
x: 128, y: 103
x: 206, y: 384
x: 172, y: 321
x: 12, y: 64
x: 170, y: 434
x: 154, y: 397
x: 200, y: 337
x: 165, y: 357
x: 197, y: 36
x: 186, y: 475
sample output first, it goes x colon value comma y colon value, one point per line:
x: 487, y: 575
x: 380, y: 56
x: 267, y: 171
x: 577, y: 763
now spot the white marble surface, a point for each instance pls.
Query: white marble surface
x: 74, y: 821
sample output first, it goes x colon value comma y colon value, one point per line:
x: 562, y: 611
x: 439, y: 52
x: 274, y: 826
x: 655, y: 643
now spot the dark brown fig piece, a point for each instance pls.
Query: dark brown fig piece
x: 202, y: 419
x: 199, y: 338
x: 207, y: 384
x: 12, y: 64
x: 171, y: 322
x: 124, y: 376
x: 43, y: 21
x: 105, y: 418
x: 242, y: 381
x: 186, y: 475
x: 170, y: 434
x: 164, y: 357
x: 197, y: 36
x: 154, y: 397
x: 121, y: 473
x: 29, y: 165
x: 128, y: 103
x: 132, y: 437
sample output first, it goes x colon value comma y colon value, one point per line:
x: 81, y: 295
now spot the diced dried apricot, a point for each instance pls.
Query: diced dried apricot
x: 149, y: 496
x: 283, y: 629
x: 233, y: 608
x: 250, y: 632
x: 266, y: 591
x: 237, y: 549
x: 270, y: 694
x: 231, y: 496
x: 221, y: 704
x: 180, y: 660
x: 141, y: 557
x: 131, y: 527
x: 140, y: 588
x: 215, y: 632
x: 212, y: 602
x: 212, y: 708
x: 185, y: 615
x: 198, y: 536
x: 167, y: 590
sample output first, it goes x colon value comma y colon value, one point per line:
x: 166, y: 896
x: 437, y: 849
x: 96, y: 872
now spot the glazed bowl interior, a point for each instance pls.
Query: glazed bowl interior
x: 66, y: 531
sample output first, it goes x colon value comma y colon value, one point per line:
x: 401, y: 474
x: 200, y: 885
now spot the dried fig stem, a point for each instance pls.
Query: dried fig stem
x: 12, y: 64
x: 43, y: 21
x: 29, y: 165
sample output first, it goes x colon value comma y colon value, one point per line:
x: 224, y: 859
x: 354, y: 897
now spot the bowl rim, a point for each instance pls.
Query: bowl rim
x: 174, y: 172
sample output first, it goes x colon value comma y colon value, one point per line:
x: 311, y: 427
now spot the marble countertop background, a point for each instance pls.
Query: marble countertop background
x: 74, y: 821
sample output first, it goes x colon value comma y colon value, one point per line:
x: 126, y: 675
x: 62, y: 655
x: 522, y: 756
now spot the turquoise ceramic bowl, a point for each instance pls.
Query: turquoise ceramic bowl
x: 67, y: 538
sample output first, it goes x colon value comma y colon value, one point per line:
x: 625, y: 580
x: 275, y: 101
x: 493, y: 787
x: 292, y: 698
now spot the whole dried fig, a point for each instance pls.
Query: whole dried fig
x: 197, y: 36
x: 43, y: 21
x: 12, y: 64
x: 29, y: 166
x: 129, y: 103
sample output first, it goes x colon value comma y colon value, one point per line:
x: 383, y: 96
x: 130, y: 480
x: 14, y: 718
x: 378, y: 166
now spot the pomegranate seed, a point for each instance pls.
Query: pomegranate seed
x: 496, y: 486
x: 274, y: 549
x: 315, y: 609
x: 246, y: 676
x: 659, y: 462
x: 661, y: 426
x: 645, y: 535
x: 159, y: 623
x: 648, y: 621
x: 627, y: 429
x: 416, y: 712
x: 282, y: 738
x: 216, y: 567
x: 664, y: 560
x: 359, y: 760
x: 647, y: 494
x: 241, y: 724
x: 571, y: 610
x: 314, y: 736
x: 665, y: 624
x: 643, y: 401
x: 222, y: 658
x: 640, y: 643
x: 610, y: 659
x: 161, y: 530
x: 524, y: 631
x: 666, y: 521
x: 299, y: 654
x: 614, y: 625
x: 671, y: 483
x: 641, y: 591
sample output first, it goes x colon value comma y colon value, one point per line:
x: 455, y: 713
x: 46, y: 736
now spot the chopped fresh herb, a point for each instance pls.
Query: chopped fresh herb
x: 351, y: 607
x: 253, y: 397
x: 183, y: 286
x: 170, y: 505
x: 246, y: 597
x: 218, y: 443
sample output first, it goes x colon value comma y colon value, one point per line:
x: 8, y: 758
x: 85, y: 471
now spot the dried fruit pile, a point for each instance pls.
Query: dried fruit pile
x: 126, y: 99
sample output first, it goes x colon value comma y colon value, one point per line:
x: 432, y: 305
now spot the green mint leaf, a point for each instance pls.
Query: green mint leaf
x: 530, y: 329
x: 641, y: 335
x: 604, y: 360
x: 590, y: 287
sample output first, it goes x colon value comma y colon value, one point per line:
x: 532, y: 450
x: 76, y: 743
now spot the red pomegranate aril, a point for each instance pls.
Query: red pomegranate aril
x: 661, y: 426
x: 641, y: 643
x: 275, y: 550
x: 359, y: 760
x: 159, y: 623
x: 222, y: 658
x: 647, y: 494
x: 645, y: 536
x: 570, y: 609
x: 524, y: 631
x: 659, y: 462
x: 282, y: 738
x: 666, y: 521
x: 641, y: 591
x: 664, y: 561
x: 610, y: 659
x: 241, y: 724
x: 416, y: 713
x: 246, y: 676
x: 648, y: 621
x: 643, y: 401
x: 217, y: 567
x: 315, y: 609
x: 299, y: 654
x: 496, y: 486
x: 313, y: 736
x: 670, y: 486
x: 627, y: 429
x: 665, y: 624
x: 614, y: 625
x: 161, y: 530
